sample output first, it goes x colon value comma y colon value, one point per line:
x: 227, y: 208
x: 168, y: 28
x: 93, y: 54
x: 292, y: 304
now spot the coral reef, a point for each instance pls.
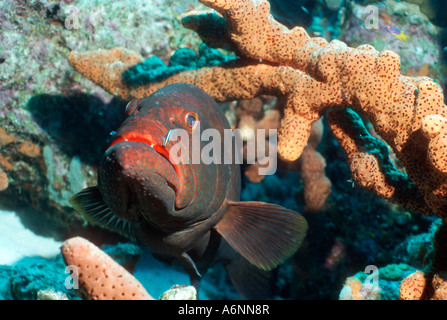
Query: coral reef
x: 420, y: 275
x: 52, y: 136
x: 385, y: 286
x: 46, y: 278
x: 422, y: 286
x: 412, y: 287
x: 3, y: 180
x: 289, y: 64
x: 370, y: 163
x: 317, y: 186
x: 34, y: 278
x: 252, y: 115
x: 423, y: 48
x: 429, y: 283
x: 100, y: 276
x: 180, y: 292
x: 262, y: 113
x: 42, y: 107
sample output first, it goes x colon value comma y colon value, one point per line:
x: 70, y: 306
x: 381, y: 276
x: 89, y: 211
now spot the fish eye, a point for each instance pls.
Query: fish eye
x: 131, y: 107
x: 190, y: 119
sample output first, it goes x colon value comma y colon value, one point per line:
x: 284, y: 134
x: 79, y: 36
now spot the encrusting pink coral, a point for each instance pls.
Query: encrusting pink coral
x: 312, y: 76
x: 100, y: 277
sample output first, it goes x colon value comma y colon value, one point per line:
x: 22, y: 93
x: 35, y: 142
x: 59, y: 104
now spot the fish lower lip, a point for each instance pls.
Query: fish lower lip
x: 178, y: 184
x: 162, y: 151
x: 134, y: 137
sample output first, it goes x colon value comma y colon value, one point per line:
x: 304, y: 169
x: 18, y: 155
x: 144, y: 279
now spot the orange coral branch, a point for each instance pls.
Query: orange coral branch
x: 312, y: 76
x: 369, y: 162
x: 317, y: 186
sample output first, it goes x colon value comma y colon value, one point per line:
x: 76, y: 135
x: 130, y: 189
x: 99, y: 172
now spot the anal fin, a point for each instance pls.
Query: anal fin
x: 251, y: 282
x: 265, y: 234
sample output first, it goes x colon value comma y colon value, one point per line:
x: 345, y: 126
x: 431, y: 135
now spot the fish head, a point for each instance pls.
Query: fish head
x: 393, y: 30
x: 134, y: 178
x: 138, y: 177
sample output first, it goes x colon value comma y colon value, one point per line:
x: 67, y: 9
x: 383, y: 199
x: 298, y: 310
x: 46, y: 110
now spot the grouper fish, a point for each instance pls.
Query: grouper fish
x: 189, y: 213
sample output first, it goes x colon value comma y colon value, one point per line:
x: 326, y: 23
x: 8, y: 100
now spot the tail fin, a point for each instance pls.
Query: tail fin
x: 404, y: 37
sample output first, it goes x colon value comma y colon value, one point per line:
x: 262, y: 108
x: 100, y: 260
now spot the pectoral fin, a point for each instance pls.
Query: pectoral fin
x: 263, y: 233
x: 90, y: 204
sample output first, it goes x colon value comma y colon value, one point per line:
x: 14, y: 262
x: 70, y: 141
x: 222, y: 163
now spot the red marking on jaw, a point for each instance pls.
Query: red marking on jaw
x: 160, y: 149
x: 136, y: 137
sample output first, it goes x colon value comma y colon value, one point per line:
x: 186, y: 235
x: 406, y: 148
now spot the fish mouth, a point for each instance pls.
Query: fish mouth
x: 137, y: 180
x: 175, y: 183
x: 136, y: 137
x: 160, y: 149
x: 179, y: 178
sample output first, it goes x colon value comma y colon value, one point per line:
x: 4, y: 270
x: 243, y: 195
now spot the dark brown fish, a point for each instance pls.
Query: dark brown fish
x: 183, y: 212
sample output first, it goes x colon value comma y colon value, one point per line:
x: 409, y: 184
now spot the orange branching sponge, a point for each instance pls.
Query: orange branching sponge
x: 312, y: 76
x: 317, y: 186
x: 421, y: 286
x: 439, y: 284
x: 105, y: 67
x: 100, y: 277
x: 4, y: 183
x: 370, y: 164
x: 413, y: 286
x: 250, y: 118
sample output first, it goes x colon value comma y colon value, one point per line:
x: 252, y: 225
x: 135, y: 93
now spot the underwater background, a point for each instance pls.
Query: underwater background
x: 56, y: 124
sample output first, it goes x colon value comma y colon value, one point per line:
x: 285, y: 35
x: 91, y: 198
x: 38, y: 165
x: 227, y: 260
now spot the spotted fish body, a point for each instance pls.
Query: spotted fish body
x: 186, y: 212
